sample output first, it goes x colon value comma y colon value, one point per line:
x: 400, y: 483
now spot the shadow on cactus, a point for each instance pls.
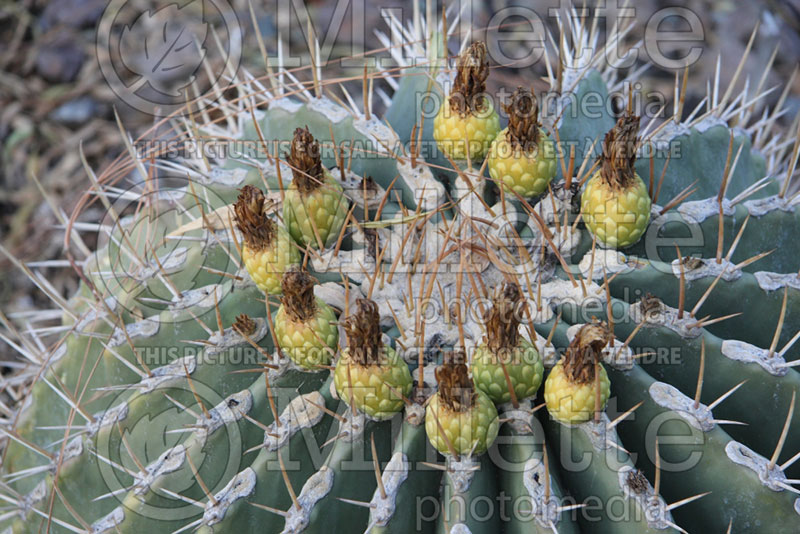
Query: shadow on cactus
x: 375, y: 339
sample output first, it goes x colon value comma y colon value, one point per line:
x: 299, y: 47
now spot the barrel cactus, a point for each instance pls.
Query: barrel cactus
x: 170, y: 400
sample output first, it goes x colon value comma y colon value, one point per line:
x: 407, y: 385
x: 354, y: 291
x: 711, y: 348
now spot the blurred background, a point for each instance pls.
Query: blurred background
x: 54, y: 97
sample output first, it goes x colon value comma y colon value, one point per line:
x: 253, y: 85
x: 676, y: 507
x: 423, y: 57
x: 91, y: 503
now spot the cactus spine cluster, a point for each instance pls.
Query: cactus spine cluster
x: 182, y: 392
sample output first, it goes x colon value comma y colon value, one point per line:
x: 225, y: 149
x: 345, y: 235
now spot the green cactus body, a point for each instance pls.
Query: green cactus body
x: 162, y: 404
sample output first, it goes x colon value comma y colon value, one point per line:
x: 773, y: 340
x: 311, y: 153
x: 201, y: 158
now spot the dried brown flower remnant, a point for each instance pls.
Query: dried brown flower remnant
x: 619, y: 152
x: 244, y: 325
x: 692, y: 262
x: 637, y: 482
x: 298, y: 295
x: 584, y: 351
x: 502, y: 321
x: 523, y: 120
x: 472, y: 70
x: 651, y: 306
x: 257, y: 229
x: 363, y: 331
x: 305, y: 160
x: 455, y: 386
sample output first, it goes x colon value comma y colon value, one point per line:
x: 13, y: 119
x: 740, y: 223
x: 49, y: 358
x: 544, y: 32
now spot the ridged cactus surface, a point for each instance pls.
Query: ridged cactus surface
x: 430, y: 348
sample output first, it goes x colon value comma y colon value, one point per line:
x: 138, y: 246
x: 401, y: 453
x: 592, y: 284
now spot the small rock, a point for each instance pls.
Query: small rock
x: 77, y: 111
x: 72, y: 13
x: 60, y: 59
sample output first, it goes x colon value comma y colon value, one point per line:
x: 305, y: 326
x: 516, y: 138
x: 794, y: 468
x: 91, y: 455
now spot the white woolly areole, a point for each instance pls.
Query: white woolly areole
x: 607, y: 261
x: 302, y: 412
x: 461, y: 471
x: 243, y: 280
x: 427, y: 190
x: 202, y: 297
x: 460, y: 528
x: 761, y: 206
x: 614, y: 354
x: 73, y: 449
x: 140, y: 329
x: 168, y: 462
x: 287, y: 104
x: 165, y: 374
x: 375, y: 129
x: 533, y: 478
x: 742, y: 455
x: 240, y: 486
x: 89, y: 318
x: 745, y: 352
x: 653, y: 505
x: 344, y: 261
x: 36, y: 495
x: 671, y: 398
x: 706, y: 267
x: 171, y: 262
x: 352, y: 428
x: 518, y: 418
x: 666, y: 316
x: 561, y: 199
x: 316, y: 487
x: 108, y: 523
x: 600, y: 433
x: 226, y: 412
x: 328, y: 109
x: 566, y: 238
x: 697, y: 211
x: 225, y: 177
x: 560, y: 291
x: 415, y: 414
x: 773, y: 281
x: 230, y: 338
x: 394, y: 474
x: 107, y: 418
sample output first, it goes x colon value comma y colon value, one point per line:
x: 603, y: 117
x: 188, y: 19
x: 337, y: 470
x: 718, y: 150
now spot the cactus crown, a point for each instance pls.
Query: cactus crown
x: 363, y: 331
x: 244, y: 325
x: 523, y: 120
x: 257, y: 229
x: 305, y: 160
x: 455, y: 386
x: 502, y: 322
x: 470, y: 83
x: 298, y: 295
x: 584, y: 351
x: 619, y: 152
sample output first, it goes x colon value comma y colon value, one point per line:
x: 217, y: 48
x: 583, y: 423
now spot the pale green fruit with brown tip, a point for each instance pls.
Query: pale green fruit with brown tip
x: 526, y: 173
x: 310, y: 343
x: 317, y: 216
x: 470, y: 431
x: 376, y: 389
